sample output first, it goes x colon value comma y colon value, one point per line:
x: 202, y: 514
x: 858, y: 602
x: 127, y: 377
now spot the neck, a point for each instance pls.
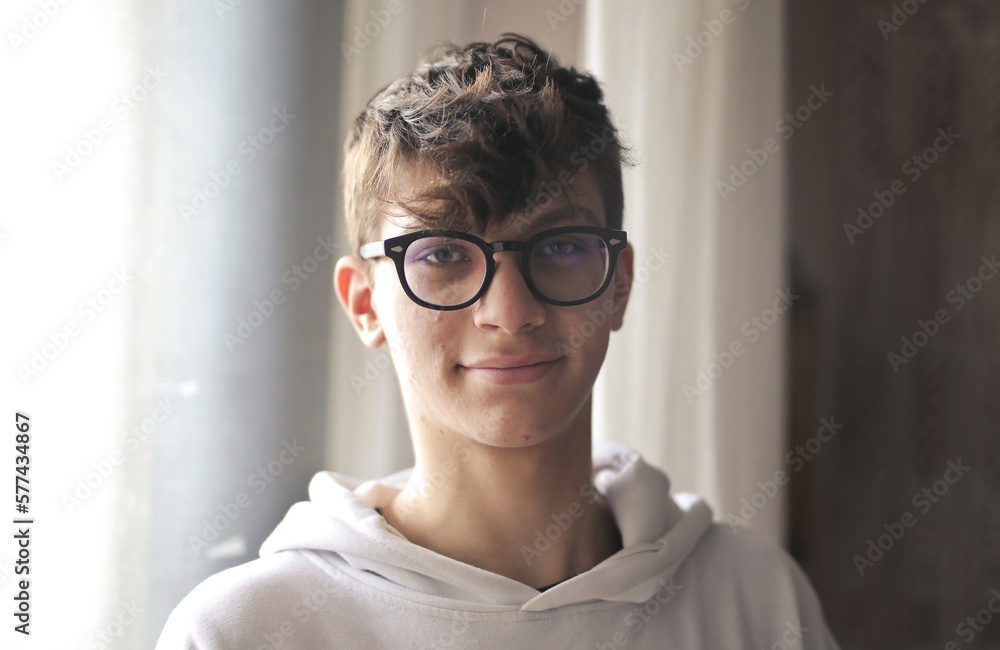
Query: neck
x: 528, y: 513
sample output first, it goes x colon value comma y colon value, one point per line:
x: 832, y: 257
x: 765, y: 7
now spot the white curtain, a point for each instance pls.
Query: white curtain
x: 65, y: 283
x: 693, y: 86
x: 168, y: 195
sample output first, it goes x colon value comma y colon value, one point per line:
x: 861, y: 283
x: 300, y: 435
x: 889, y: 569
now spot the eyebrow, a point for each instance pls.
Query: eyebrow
x: 567, y: 216
x: 573, y: 215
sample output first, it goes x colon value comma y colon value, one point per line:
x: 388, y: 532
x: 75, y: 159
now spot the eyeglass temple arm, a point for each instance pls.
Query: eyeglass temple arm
x: 374, y: 249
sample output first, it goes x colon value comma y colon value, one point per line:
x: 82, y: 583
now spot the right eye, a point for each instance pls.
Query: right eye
x: 441, y: 254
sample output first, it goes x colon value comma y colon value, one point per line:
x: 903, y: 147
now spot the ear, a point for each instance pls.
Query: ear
x: 350, y: 280
x: 621, y: 286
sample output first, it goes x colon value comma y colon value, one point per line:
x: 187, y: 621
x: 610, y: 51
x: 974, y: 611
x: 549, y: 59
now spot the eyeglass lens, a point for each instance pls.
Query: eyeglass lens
x: 448, y: 271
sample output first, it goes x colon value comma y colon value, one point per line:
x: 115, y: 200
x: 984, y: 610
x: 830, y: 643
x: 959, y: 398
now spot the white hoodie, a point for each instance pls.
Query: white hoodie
x: 335, y: 574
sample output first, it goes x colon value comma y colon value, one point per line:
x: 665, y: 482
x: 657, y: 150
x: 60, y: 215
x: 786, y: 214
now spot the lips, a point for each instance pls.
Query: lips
x: 509, y: 370
x: 519, y: 361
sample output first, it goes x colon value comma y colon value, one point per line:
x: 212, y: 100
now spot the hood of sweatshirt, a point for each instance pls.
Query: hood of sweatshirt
x: 658, y: 530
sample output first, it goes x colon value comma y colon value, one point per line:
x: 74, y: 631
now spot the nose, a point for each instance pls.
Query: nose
x: 508, y: 303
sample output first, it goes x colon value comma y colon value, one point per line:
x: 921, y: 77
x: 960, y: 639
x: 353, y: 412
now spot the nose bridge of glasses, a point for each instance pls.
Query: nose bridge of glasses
x: 506, y: 246
x: 510, y: 246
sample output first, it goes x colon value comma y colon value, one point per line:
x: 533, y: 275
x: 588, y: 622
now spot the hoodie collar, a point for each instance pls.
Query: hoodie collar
x: 658, y: 532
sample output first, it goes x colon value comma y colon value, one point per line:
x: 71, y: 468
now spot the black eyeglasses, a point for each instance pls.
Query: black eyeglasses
x: 448, y: 270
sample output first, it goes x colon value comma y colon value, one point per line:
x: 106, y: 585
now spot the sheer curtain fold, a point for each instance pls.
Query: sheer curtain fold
x: 696, y: 88
x: 232, y: 222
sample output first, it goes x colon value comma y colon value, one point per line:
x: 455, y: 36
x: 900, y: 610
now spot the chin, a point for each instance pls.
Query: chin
x: 523, y: 432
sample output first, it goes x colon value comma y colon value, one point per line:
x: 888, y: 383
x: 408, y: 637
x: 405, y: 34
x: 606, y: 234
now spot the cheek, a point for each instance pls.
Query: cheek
x: 418, y: 340
x: 586, y: 332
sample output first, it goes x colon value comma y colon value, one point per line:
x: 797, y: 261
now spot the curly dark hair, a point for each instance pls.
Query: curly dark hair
x: 499, y: 128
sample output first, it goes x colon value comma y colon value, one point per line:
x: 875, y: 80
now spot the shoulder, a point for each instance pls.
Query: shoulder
x: 242, y: 605
x: 739, y: 545
x: 743, y: 575
x: 743, y: 557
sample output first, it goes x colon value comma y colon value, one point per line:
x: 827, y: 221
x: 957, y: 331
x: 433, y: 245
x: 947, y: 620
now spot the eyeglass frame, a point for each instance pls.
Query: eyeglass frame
x: 395, y: 249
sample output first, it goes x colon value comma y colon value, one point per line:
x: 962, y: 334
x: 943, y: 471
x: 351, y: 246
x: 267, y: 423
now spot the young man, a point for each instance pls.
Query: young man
x: 484, y: 201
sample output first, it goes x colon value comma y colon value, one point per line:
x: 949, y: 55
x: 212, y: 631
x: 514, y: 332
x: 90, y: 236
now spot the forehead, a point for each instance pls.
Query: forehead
x: 570, y: 199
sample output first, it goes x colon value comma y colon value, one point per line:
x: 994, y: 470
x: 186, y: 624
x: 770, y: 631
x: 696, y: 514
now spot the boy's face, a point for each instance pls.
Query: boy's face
x: 448, y: 362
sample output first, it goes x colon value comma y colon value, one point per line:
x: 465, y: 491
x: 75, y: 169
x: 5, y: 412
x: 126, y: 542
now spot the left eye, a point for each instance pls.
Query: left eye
x: 560, y: 247
x: 443, y: 255
x: 439, y: 253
